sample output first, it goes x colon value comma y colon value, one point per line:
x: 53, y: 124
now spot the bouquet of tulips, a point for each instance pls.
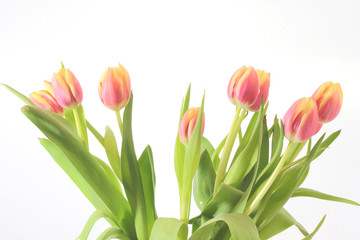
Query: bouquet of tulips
x: 240, y: 186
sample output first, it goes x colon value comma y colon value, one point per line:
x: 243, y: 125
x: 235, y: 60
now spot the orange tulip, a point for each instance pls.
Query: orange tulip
x: 45, y: 99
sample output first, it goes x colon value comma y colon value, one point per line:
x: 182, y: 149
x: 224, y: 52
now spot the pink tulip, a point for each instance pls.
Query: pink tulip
x: 243, y: 88
x: 328, y: 98
x: 301, y: 121
x: 45, y: 99
x: 67, y: 89
x: 264, y: 83
x: 187, y: 124
x: 115, y: 88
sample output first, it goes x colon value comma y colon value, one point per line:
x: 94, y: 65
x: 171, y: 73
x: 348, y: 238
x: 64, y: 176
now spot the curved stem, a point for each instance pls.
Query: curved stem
x: 271, y: 180
x: 118, y: 117
x: 234, y: 129
x: 78, y: 123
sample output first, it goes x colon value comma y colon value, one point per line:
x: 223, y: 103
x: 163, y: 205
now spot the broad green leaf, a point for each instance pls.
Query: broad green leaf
x: 282, y: 221
x: 61, y: 159
x: 132, y: 178
x: 110, y: 173
x: 112, y: 233
x: 206, y: 145
x: 98, y: 214
x: 204, y: 180
x: 224, y: 201
x: 311, y: 235
x: 146, y: 166
x: 61, y: 133
x: 245, y: 161
x: 169, y: 229
x: 180, y: 150
x: 240, y: 227
x: 240, y: 206
x: 112, y: 152
x: 69, y: 115
x: 23, y: 98
x: 282, y: 189
x: 305, y: 192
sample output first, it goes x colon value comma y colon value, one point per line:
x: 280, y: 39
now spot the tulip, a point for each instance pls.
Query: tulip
x: 48, y: 86
x: 243, y: 88
x: 67, y: 89
x: 301, y: 121
x: 328, y: 98
x: 264, y: 84
x: 115, y: 88
x: 187, y: 124
x: 45, y: 99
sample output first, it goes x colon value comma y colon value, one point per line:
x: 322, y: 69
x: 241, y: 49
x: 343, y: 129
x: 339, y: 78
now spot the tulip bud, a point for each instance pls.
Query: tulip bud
x: 115, y: 88
x: 45, y: 99
x: 264, y: 84
x: 301, y: 121
x: 328, y: 98
x: 67, y: 89
x: 243, y: 88
x: 187, y: 124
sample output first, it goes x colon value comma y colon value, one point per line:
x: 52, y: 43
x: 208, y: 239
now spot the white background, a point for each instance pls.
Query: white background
x: 165, y: 45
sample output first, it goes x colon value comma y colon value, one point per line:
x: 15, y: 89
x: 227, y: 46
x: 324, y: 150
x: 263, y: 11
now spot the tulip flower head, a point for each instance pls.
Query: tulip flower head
x: 46, y: 100
x: 243, y: 88
x: 264, y: 84
x: 115, y: 88
x: 301, y: 121
x: 67, y: 89
x: 328, y: 98
x: 187, y: 124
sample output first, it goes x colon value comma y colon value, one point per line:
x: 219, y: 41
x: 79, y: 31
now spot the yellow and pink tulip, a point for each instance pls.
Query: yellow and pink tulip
x: 115, y: 88
x: 264, y: 85
x: 301, y: 121
x: 46, y: 100
x: 328, y: 98
x: 67, y: 89
x: 243, y: 88
x: 187, y: 124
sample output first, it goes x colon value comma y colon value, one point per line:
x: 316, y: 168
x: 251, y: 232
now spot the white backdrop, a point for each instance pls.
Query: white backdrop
x: 165, y: 45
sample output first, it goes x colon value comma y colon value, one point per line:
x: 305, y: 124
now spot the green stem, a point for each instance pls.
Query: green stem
x: 118, y: 117
x: 185, y: 201
x: 271, y: 180
x: 234, y: 129
x: 78, y: 123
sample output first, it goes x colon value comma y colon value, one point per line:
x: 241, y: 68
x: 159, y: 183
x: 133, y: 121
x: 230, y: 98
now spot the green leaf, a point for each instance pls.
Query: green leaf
x: 180, y: 149
x: 282, y: 221
x: 169, y: 229
x: 245, y: 161
x: 25, y: 99
x: 282, y: 189
x: 97, y: 135
x: 146, y: 166
x: 305, y: 192
x: 240, y: 227
x: 326, y: 143
x: 98, y: 214
x: 110, y: 173
x: 61, y: 133
x: 69, y: 115
x: 264, y: 150
x: 112, y: 152
x: 131, y: 176
x: 61, y: 159
x: 204, y: 180
x: 112, y: 233
x: 224, y: 201
x: 311, y: 235
x: 215, y: 156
